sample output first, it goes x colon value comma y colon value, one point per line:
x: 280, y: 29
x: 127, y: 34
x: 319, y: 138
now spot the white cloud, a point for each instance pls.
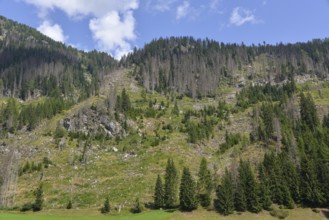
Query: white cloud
x: 53, y: 31
x: 214, y: 4
x: 241, y: 16
x: 160, y: 5
x: 85, y: 7
x: 182, y: 10
x: 113, y: 36
x: 113, y: 32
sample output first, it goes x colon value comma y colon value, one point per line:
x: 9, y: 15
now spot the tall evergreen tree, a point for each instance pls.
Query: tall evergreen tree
x: 308, y: 111
x: 290, y: 175
x: 264, y: 189
x: 240, y: 201
x: 187, y: 195
x: 38, y: 204
x: 10, y: 115
x: 171, y: 185
x: 205, y: 184
x: 225, y: 197
x: 310, y: 188
x: 288, y: 202
x: 323, y: 171
x: 250, y: 186
x: 273, y: 169
x: 158, y: 193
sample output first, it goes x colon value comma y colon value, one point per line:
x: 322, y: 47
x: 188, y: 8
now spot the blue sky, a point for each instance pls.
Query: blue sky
x: 117, y: 26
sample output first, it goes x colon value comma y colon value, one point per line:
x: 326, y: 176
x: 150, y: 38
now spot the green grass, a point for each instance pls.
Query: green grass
x: 83, y: 215
x: 295, y: 214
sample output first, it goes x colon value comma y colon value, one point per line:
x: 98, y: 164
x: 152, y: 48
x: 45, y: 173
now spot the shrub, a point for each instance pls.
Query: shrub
x: 279, y: 213
x: 138, y: 207
x: 26, y: 207
x: 69, y: 205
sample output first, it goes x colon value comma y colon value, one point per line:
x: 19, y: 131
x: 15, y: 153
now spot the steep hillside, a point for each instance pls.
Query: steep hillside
x: 197, y: 67
x: 256, y: 116
x: 32, y: 65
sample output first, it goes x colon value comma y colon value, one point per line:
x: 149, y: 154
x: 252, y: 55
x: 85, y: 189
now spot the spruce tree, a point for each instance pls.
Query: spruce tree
x: 250, y: 187
x: 171, y: 185
x: 323, y: 176
x: 240, y: 201
x: 225, y: 197
x: 273, y: 169
x: 308, y: 111
x: 38, y: 204
x: 106, y: 206
x: 187, y: 196
x: 310, y: 188
x: 288, y: 202
x: 205, y: 184
x: 264, y: 189
x: 290, y: 175
x: 158, y: 193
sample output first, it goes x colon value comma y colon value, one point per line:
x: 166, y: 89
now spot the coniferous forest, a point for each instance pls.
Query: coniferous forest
x: 296, y: 174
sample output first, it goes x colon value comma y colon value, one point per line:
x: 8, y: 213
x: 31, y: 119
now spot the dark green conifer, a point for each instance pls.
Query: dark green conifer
x: 205, y: 184
x: 225, y: 197
x: 308, y: 111
x: 310, y: 188
x: 250, y: 187
x: 240, y: 201
x: 187, y: 196
x: 69, y: 205
x: 106, y: 206
x: 158, y: 193
x: 264, y: 189
x: 171, y: 185
x: 38, y: 204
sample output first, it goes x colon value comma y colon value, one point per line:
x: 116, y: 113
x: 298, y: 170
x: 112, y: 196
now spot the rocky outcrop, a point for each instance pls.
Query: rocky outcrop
x: 91, y: 121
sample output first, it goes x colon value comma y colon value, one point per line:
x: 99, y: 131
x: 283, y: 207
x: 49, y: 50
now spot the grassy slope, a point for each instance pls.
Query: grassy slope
x: 107, y: 173
x: 296, y: 214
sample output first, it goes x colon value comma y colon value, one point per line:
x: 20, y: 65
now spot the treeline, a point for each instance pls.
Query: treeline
x: 277, y: 180
x: 187, y: 195
x: 15, y: 116
x: 259, y: 93
x: 32, y: 64
x: 196, y: 67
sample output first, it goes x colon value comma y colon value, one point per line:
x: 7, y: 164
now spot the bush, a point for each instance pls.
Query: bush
x: 316, y: 210
x: 69, y: 205
x: 138, y: 207
x: 106, y: 207
x: 279, y: 213
x: 26, y: 207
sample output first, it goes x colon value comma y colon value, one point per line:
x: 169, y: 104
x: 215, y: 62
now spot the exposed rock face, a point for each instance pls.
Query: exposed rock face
x: 91, y: 121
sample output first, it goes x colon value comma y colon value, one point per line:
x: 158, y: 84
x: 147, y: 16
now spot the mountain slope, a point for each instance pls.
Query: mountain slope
x: 115, y: 141
x: 32, y: 64
x: 197, y: 67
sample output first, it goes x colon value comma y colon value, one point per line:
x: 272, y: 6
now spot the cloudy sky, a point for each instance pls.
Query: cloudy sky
x: 117, y: 26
